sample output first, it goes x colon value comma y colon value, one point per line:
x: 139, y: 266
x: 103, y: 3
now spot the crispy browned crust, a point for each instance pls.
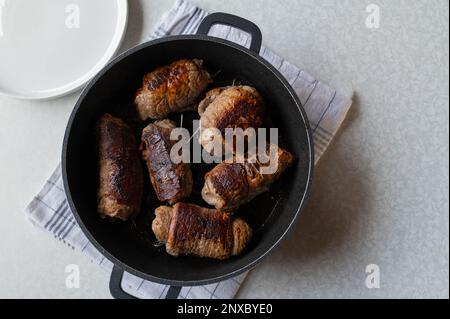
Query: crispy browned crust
x: 199, y: 231
x: 121, y: 179
x: 231, y: 184
x: 172, y: 88
x: 229, y: 107
x: 188, y: 229
x: 229, y: 181
x: 245, y: 113
x: 172, y: 182
x: 232, y: 107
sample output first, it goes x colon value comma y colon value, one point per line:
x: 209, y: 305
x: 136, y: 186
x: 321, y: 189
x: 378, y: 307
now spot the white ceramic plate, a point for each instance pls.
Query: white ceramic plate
x: 49, y: 48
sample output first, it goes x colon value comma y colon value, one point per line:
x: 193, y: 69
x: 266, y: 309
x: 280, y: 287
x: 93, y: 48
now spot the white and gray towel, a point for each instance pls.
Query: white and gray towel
x: 326, y: 111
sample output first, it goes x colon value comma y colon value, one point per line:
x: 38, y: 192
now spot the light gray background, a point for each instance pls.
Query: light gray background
x: 381, y: 191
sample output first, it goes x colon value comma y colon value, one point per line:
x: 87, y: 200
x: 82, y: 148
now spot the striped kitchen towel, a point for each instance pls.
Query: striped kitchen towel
x: 326, y: 110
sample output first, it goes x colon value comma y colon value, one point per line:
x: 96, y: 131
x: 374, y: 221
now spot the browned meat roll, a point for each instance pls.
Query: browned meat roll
x: 229, y: 107
x: 233, y: 183
x: 173, y: 88
x: 121, y: 180
x: 190, y: 229
x: 172, y: 182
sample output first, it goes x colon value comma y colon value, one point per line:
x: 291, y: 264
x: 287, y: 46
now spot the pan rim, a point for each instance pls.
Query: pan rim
x: 228, y: 275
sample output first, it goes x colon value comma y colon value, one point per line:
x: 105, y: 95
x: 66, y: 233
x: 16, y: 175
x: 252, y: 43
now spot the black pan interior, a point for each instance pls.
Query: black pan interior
x: 132, y: 244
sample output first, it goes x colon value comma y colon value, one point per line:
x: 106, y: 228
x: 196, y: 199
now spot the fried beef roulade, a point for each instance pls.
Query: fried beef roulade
x: 172, y: 182
x: 172, y: 89
x: 229, y: 107
x: 121, y: 177
x: 188, y: 229
x: 234, y: 183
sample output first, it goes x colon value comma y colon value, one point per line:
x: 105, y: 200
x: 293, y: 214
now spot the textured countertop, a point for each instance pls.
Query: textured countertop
x: 381, y: 191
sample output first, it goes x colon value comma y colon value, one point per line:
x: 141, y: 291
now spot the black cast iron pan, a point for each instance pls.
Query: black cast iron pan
x: 130, y: 246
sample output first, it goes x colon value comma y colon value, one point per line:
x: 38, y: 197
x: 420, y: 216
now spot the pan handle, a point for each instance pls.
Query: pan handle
x: 233, y: 21
x: 115, y: 287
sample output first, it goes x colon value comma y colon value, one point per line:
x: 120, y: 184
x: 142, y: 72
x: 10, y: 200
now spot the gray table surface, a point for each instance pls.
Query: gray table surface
x: 381, y: 191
